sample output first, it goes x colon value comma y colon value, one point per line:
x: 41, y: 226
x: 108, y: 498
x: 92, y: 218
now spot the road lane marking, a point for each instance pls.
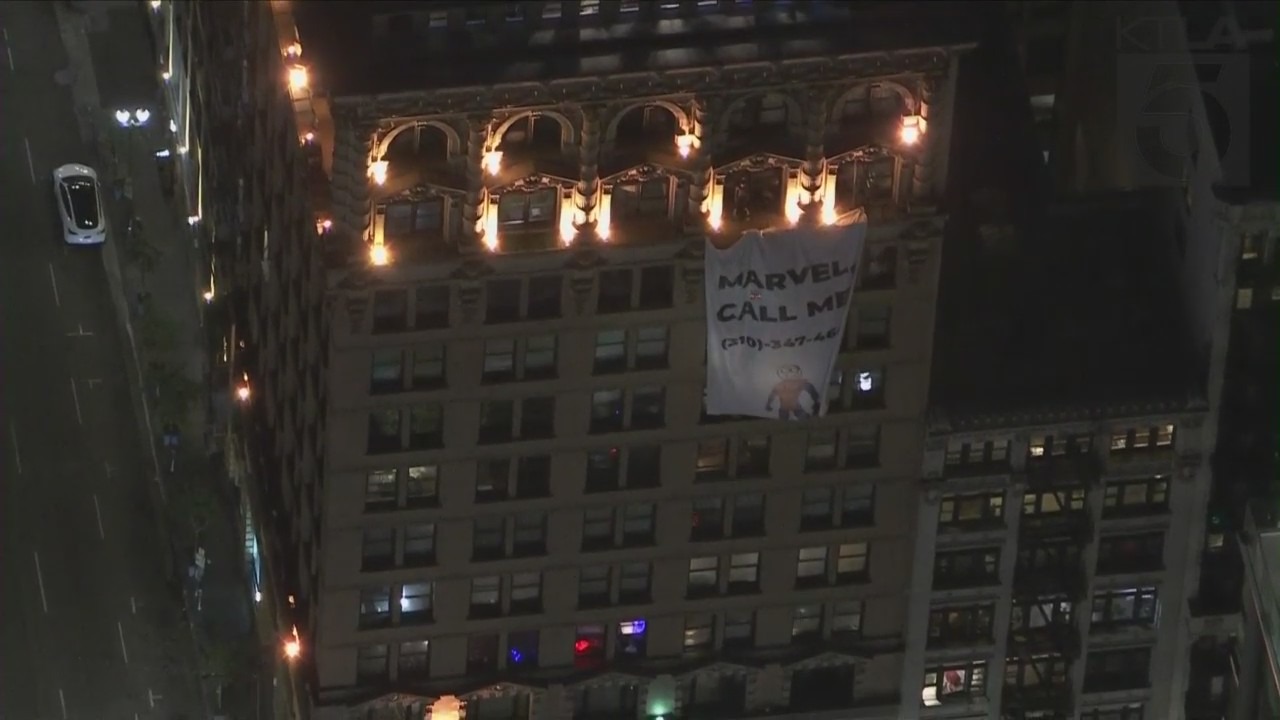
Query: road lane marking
x: 133, y: 605
x: 75, y: 397
x: 53, y: 280
x: 44, y: 600
x: 80, y: 332
x: 17, y: 454
x: 31, y: 166
x: 97, y: 510
x: 123, y: 650
x: 8, y: 49
x: 62, y: 700
x: 152, y: 698
x: 106, y: 465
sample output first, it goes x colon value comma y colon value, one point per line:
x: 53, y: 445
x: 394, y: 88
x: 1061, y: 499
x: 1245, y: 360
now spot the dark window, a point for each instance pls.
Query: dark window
x: 428, y: 367
x: 426, y: 427
x: 377, y: 549
x: 656, y: 287
x: 644, y: 466
x: 603, y: 470
x: 1130, y: 606
x: 497, y: 421
x: 607, y: 410
x: 415, y: 660
x: 880, y: 267
x: 384, y: 431
x: 961, y: 625
x: 419, y: 544
x: 533, y: 476
x: 611, y: 351
x: 533, y: 209
x: 862, y: 446
x: 375, y: 607
x: 489, y: 538
x: 482, y: 655
x: 530, y: 536
x: 1131, y: 553
x: 817, y: 509
x: 615, y: 291
x: 431, y: 307
x: 545, y: 295
x: 387, y: 371
x: 493, y: 477
x: 522, y: 652
x: 373, y: 663
x: 1107, y: 670
x: 502, y: 301
x: 415, y: 220
x: 537, y: 417
x: 748, y: 515
x: 640, y: 200
x: 648, y: 408
x: 593, y: 586
x: 390, y: 311
x: 707, y: 521
x: 822, y: 688
x: 966, y: 568
x: 754, y: 194
x: 873, y: 327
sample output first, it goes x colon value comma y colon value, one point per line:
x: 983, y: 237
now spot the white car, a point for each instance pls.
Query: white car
x: 79, y: 199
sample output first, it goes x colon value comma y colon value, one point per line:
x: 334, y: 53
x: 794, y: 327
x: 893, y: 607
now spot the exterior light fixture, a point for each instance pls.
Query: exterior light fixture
x: 913, y: 128
x: 829, y: 214
x: 298, y: 78
x: 293, y: 50
x: 182, y: 149
x: 193, y: 220
x: 323, y: 226
x: 293, y: 645
x: 173, y: 126
x: 208, y: 296
x: 493, y: 162
x: 132, y: 118
x: 123, y: 117
x: 166, y: 76
x: 163, y: 153
x: 308, y: 138
x: 379, y: 255
x: 378, y: 171
x: 155, y: 4
x: 242, y: 389
x: 686, y: 143
x: 141, y: 116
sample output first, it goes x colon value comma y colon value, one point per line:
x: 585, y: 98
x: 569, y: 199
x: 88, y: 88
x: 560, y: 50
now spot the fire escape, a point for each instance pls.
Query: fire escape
x: 1049, y: 582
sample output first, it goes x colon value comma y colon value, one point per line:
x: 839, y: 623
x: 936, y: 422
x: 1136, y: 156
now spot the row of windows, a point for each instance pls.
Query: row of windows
x: 1119, y: 498
x: 1105, y: 670
x: 970, y: 624
x: 996, y: 451
x: 1117, y: 554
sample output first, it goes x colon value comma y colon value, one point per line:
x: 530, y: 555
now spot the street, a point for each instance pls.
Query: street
x: 91, y: 629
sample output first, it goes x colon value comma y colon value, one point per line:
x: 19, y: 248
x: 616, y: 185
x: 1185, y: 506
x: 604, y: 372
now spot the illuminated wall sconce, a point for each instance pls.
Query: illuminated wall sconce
x: 686, y: 143
x: 308, y: 138
x: 489, y: 224
x: 379, y: 255
x: 166, y: 76
x: 493, y: 162
x: 293, y: 645
x: 447, y: 707
x: 378, y: 172
x: 568, y: 215
x: 913, y: 128
x: 173, y: 126
x: 715, y: 205
x: 182, y: 149
x: 298, y: 78
x: 293, y: 50
x: 323, y: 226
x: 242, y: 388
x: 794, y: 193
x: 193, y: 220
x: 605, y: 218
x: 155, y: 4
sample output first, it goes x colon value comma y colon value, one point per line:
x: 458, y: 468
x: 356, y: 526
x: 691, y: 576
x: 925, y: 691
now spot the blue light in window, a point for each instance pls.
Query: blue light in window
x: 517, y: 657
x: 632, y: 627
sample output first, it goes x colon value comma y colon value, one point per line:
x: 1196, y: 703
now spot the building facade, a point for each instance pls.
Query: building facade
x: 469, y: 343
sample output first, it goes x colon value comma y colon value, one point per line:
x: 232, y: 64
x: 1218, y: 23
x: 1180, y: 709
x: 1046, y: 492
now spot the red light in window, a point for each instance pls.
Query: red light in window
x: 582, y: 647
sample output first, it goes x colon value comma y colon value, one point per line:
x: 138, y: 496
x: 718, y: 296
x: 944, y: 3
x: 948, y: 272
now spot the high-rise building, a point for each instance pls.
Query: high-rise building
x: 469, y: 342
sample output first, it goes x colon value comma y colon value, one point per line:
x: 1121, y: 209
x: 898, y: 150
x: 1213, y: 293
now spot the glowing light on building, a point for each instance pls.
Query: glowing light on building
x: 293, y: 645
x: 913, y: 128
x: 378, y: 171
x: 298, y: 78
x: 567, y: 229
x: 493, y: 162
x: 379, y: 254
x: 293, y: 50
x: 605, y: 217
x: 686, y: 143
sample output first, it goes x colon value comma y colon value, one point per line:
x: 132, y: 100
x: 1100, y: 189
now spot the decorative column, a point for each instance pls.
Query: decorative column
x: 922, y: 175
x: 587, y: 192
x: 813, y: 172
x: 351, y: 209
x: 704, y: 114
x: 477, y: 136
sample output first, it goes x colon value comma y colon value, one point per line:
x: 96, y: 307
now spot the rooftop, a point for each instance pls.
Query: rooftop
x: 1080, y: 313
x: 393, y: 46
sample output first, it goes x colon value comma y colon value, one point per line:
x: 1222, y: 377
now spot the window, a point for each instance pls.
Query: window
x: 633, y: 582
x: 744, y: 572
x: 615, y: 291
x: 1131, y: 606
x: 1052, y: 503
x: 431, y: 307
x: 852, y: 562
x: 422, y: 487
x: 708, y: 518
x: 757, y: 194
x: 820, y: 454
x: 381, y: 490
x: 971, y: 509
x: 537, y: 418
x: 965, y: 625
x: 644, y: 466
x: 526, y: 592
x: 493, y: 478
x: 752, y: 456
x: 1135, y: 497
x: 699, y: 634
x: 713, y: 459
x: 651, y: 348
x: 817, y: 509
x: 1050, y: 446
x: 488, y: 538
x: 748, y: 515
x: 497, y: 421
x: 384, y: 432
x: 486, y: 596
x: 423, y: 220
x: 375, y: 607
x: 739, y: 630
x: 499, y: 360
x: 1117, y: 669
x: 858, y: 505
x: 426, y: 427
x: 589, y: 647
x: 533, y: 210
x: 637, y: 524
x: 862, y: 446
x: 540, y: 357
x: 598, y: 528
x: 415, y: 660
x: 604, y: 470
x: 545, y: 295
x: 502, y: 301
x: 416, y: 602
x: 704, y: 577
x: 811, y: 566
x: 419, y: 544
x: 607, y: 411
x: 1159, y: 437
x: 611, y: 351
x: 1028, y: 617
x: 593, y: 586
x: 428, y: 367
x: 390, y: 311
x: 482, y: 654
x: 942, y: 684
x: 373, y: 662
x: 982, y: 453
x: 873, y: 328
x: 880, y: 267
x: 648, y: 407
x: 530, y: 536
x: 522, y: 654
x: 533, y: 476
x: 378, y: 549
x: 657, y: 287
x: 966, y: 568
x: 1131, y: 553
x: 856, y: 389
x: 1130, y: 711
x: 386, y: 373
x: 806, y: 624
x: 641, y: 200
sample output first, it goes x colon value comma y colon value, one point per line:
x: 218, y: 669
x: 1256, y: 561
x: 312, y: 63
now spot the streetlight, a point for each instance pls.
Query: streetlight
x: 133, y: 118
x: 293, y: 645
x: 242, y: 389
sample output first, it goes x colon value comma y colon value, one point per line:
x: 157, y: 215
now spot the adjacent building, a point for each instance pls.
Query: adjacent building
x: 469, y: 342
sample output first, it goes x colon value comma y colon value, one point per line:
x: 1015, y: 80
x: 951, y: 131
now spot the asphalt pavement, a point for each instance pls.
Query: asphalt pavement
x: 89, y: 626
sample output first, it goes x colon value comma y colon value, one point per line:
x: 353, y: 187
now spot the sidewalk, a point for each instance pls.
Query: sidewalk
x: 115, y: 42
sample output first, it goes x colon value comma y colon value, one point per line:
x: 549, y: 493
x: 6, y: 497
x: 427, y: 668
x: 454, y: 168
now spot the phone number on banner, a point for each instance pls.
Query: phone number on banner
x: 759, y: 344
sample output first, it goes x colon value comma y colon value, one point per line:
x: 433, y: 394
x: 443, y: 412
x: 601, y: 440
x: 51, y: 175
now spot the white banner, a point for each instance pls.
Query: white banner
x: 777, y: 302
